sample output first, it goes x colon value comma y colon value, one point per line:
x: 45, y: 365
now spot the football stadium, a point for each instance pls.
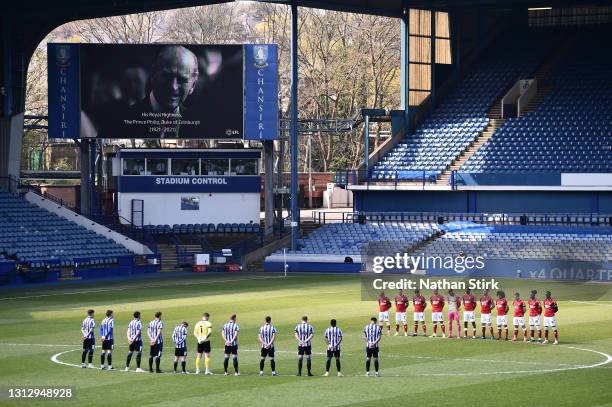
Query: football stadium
x: 332, y: 203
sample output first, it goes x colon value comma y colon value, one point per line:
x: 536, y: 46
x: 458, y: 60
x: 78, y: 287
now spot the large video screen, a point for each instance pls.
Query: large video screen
x: 172, y: 91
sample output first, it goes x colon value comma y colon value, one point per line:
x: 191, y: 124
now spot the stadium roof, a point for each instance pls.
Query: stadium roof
x: 33, y: 19
x: 66, y: 10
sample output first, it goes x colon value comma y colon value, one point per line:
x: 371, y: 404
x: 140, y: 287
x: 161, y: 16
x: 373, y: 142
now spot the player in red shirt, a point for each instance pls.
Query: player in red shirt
x: 384, y: 305
x: 437, y: 305
x: 401, y: 304
x: 420, y: 303
x: 535, y: 310
x: 519, y: 316
x: 469, y: 305
x: 501, y: 305
x: 550, y: 320
x: 486, y: 304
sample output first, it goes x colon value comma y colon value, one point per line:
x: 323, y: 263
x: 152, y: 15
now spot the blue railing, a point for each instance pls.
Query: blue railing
x: 580, y: 219
x: 395, y: 178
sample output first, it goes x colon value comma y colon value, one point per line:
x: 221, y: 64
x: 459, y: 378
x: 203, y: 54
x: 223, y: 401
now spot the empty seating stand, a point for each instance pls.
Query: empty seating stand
x: 526, y: 243
x: 570, y: 131
x: 38, y: 238
x: 348, y: 239
x: 462, y: 115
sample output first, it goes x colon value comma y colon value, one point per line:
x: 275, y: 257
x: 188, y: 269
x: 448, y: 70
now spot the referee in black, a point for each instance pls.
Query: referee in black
x: 371, y: 333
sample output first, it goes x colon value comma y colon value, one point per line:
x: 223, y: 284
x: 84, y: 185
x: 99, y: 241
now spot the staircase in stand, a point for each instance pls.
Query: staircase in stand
x: 417, y: 248
x: 537, y: 99
x: 308, y: 226
x: 495, y: 118
x: 495, y: 122
x: 169, y: 261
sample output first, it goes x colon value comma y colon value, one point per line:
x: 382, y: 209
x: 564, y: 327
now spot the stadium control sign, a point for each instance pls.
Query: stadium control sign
x: 145, y: 184
x: 163, y: 91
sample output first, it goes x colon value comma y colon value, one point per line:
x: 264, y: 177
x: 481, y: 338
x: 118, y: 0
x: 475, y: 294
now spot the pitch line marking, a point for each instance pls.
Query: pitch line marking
x: 131, y: 287
x: 352, y: 353
x: 608, y: 359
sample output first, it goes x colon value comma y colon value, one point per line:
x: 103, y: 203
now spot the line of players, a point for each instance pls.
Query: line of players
x: 468, y: 301
x: 333, y: 335
x: 303, y: 333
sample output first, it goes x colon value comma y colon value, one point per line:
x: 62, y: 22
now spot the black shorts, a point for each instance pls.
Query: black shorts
x: 156, y: 350
x: 304, y: 350
x: 180, y: 351
x: 267, y: 352
x: 89, y: 344
x: 231, y: 350
x: 372, y: 352
x: 136, y: 346
x: 333, y: 353
x: 204, y: 347
x: 108, y: 344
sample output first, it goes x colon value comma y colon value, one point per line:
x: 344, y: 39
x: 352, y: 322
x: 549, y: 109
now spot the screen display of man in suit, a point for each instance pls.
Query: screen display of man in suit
x: 170, y: 91
x: 173, y: 79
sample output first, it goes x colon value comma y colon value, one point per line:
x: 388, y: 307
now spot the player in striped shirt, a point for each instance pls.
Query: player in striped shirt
x: 202, y: 332
x: 372, y: 332
x: 267, y: 335
x: 179, y: 337
x: 107, y: 327
x: 156, y: 341
x: 229, y: 332
x: 333, y: 338
x: 303, y: 334
x: 89, y: 338
x: 134, y: 338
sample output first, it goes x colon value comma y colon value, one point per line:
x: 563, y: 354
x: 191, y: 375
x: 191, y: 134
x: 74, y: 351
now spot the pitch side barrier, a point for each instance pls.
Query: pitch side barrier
x: 578, y: 219
x: 85, y: 268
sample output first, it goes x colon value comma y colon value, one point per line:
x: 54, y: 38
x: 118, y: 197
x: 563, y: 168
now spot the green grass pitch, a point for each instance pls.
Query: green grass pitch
x: 38, y: 323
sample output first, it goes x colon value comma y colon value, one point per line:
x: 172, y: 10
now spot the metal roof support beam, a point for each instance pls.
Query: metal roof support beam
x: 295, y: 214
x: 432, y: 93
x: 405, y: 65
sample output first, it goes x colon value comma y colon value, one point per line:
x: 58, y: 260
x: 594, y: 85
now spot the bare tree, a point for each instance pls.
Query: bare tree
x: 346, y: 61
x: 214, y: 24
x: 141, y: 28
